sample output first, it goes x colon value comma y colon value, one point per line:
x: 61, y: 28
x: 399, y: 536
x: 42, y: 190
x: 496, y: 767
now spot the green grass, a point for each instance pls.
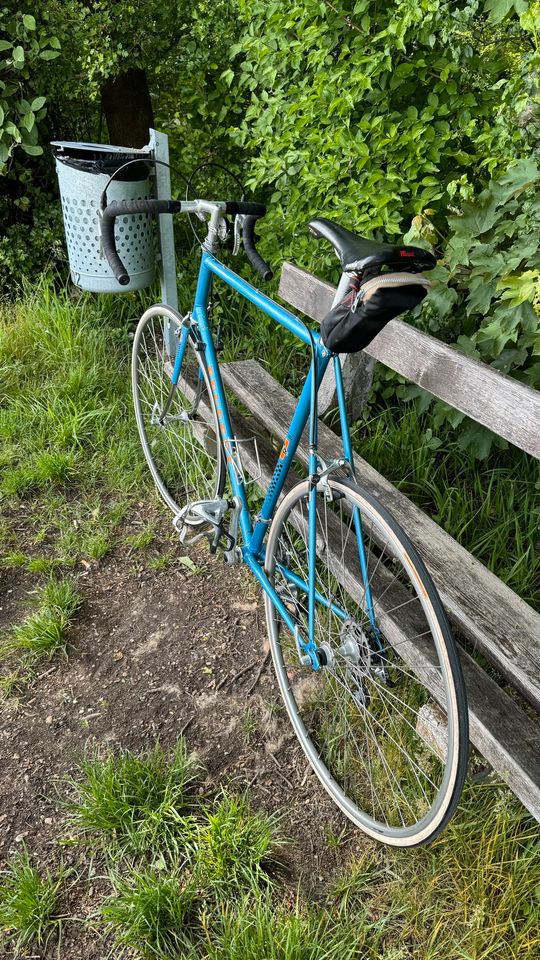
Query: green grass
x: 30, y: 903
x: 492, y: 508
x: 265, y: 928
x: 235, y: 846
x: 197, y: 886
x: 69, y: 444
x: 42, y: 635
x: 473, y: 895
x: 143, y: 538
x: 153, y: 913
x: 131, y: 805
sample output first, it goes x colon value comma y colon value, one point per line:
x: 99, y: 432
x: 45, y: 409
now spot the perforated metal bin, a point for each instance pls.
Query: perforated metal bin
x: 83, y: 172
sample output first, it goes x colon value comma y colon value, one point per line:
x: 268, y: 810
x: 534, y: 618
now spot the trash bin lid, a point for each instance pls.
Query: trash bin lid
x: 104, y: 158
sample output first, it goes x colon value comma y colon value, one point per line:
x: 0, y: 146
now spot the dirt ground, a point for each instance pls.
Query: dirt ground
x: 154, y: 654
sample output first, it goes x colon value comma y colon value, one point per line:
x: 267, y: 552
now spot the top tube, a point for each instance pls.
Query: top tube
x: 260, y: 300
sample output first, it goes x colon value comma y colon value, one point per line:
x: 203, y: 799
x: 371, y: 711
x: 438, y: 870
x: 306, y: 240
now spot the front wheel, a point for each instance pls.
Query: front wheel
x: 385, y: 650
x: 177, y: 423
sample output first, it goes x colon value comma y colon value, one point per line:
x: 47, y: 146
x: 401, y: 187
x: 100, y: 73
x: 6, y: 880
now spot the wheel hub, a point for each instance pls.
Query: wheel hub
x: 158, y: 421
x: 354, y: 653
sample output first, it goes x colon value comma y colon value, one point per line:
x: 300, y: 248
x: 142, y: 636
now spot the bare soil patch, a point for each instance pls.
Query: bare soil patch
x: 154, y: 654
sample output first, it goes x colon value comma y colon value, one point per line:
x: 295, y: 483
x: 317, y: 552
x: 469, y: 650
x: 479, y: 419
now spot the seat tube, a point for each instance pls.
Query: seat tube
x: 349, y: 455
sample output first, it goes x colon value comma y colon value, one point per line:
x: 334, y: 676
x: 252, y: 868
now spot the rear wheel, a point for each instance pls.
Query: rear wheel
x: 178, y: 425
x: 356, y: 717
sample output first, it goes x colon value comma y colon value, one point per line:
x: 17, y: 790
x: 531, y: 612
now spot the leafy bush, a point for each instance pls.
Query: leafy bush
x: 23, y: 45
x: 371, y: 114
x: 487, y: 299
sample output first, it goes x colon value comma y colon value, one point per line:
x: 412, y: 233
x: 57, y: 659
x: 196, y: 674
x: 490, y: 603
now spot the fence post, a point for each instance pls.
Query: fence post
x: 159, y: 147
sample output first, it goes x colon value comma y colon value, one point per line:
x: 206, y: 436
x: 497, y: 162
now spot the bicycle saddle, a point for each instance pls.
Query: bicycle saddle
x: 357, y: 253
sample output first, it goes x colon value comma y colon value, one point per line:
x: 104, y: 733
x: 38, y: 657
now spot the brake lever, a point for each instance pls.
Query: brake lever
x: 238, y: 230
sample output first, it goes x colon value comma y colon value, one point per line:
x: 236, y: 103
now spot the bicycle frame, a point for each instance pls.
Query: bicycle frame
x: 253, y: 534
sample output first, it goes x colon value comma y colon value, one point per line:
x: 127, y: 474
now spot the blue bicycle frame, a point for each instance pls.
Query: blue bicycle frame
x: 253, y: 534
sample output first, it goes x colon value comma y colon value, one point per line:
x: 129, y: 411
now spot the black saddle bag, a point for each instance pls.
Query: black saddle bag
x: 367, y: 307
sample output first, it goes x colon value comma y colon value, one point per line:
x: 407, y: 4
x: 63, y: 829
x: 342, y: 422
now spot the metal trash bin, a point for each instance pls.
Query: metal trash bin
x: 83, y: 172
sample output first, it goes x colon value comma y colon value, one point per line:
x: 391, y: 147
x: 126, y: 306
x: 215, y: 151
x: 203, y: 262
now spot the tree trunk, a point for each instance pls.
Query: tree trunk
x: 128, y: 108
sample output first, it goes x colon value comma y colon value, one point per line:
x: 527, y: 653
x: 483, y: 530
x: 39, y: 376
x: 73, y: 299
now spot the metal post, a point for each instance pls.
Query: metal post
x: 159, y: 148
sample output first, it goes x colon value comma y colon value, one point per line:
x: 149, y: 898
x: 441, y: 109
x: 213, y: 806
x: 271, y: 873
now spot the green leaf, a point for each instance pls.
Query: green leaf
x: 442, y: 299
x: 497, y: 10
x: 517, y: 178
x: 477, y: 439
x: 49, y: 54
x: 478, y: 216
x: 31, y: 150
x: 28, y: 121
x: 5, y: 45
x: 38, y: 103
x: 18, y: 54
x: 29, y: 21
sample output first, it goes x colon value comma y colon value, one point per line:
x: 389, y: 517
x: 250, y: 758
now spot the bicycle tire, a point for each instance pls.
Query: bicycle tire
x: 354, y: 716
x: 183, y: 449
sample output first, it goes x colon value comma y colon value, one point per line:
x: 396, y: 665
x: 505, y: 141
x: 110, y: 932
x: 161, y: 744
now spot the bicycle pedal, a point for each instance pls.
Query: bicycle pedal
x: 193, y: 537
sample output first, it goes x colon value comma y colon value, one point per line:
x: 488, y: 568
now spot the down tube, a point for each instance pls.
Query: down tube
x: 287, y: 454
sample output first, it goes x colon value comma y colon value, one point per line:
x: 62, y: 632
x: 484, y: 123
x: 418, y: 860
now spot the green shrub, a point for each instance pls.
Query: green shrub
x: 487, y: 298
x: 372, y: 112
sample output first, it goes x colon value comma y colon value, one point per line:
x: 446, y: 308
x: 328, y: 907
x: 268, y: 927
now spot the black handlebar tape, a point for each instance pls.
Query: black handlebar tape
x: 122, y: 208
x: 254, y: 258
x: 248, y: 207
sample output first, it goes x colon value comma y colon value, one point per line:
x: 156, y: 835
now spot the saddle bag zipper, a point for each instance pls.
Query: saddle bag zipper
x: 381, y: 281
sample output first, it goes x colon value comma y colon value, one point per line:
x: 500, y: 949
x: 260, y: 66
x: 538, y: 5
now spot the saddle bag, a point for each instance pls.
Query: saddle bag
x: 367, y: 307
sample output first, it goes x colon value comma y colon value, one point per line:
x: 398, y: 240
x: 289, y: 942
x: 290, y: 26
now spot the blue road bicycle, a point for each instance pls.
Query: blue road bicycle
x: 359, y: 639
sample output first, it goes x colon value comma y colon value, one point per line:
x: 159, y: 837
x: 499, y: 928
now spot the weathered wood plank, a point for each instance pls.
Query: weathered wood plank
x: 482, y: 608
x: 500, y: 730
x: 431, y: 726
x: 509, y: 408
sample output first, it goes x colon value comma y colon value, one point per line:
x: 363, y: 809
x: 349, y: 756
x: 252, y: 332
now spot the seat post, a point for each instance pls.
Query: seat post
x: 342, y: 288
x: 356, y: 373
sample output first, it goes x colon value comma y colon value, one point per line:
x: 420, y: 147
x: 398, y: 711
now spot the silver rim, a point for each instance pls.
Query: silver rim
x: 356, y: 717
x: 182, y: 449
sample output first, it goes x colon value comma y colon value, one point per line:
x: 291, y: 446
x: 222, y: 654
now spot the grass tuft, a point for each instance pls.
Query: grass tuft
x: 44, y: 632
x: 260, y: 928
x: 152, y: 913
x: 236, y: 847
x: 29, y: 903
x: 132, y: 805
